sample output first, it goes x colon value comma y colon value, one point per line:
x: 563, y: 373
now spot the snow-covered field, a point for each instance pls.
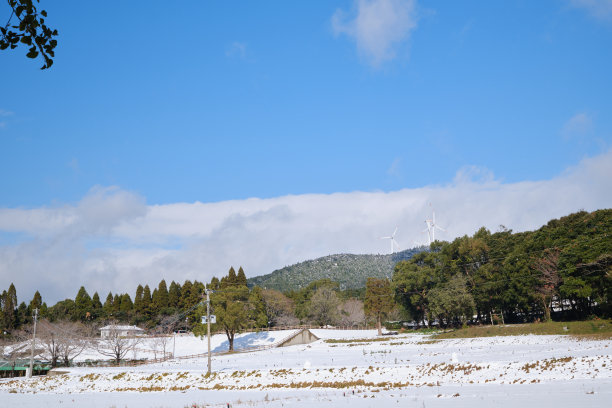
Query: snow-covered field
x: 188, y: 345
x: 404, y: 370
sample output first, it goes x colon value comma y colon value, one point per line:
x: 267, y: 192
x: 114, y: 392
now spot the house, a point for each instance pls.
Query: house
x: 121, y: 331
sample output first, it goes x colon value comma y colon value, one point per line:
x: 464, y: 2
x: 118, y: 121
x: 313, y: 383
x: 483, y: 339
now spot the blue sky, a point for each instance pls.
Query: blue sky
x: 211, y: 101
x: 486, y: 109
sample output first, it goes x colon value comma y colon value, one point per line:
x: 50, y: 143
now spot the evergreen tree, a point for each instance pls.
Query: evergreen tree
x: 36, y: 301
x: 146, y: 301
x: 257, y: 308
x: 2, y: 295
x: 23, y: 316
x: 186, y: 290
x: 107, y: 308
x: 174, y: 294
x: 126, y: 304
x: 241, y: 277
x: 378, y: 300
x: 214, y: 283
x: 9, y: 308
x: 231, y: 307
x: 451, y: 302
x: 62, y: 310
x: 83, y: 305
x: 43, y: 310
x: 116, y: 303
x: 138, y: 306
x: 162, y: 296
x: 229, y: 280
x: 96, y: 306
x: 155, y: 302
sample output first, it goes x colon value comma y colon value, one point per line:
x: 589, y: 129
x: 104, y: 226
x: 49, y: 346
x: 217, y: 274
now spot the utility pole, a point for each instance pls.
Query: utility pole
x: 208, y: 323
x: 33, y: 343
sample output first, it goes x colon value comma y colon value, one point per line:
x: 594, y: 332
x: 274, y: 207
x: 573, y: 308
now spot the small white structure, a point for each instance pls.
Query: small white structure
x: 122, y: 331
x: 213, y: 319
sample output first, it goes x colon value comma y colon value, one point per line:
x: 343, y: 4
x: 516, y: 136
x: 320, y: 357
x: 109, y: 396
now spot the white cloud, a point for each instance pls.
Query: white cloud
x: 395, y: 169
x: 5, y: 113
x: 578, y: 125
x: 377, y: 27
x: 237, y: 49
x: 111, y: 240
x: 600, y: 9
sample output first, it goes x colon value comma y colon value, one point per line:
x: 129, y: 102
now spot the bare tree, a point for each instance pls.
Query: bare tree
x: 50, y: 341
x: 115, y: 345
x: 279, y: 308
x: 159, y: 344
x: 62, y: 340
x: 549, y: 278
x: 324, y: 306
x: 351, y: 312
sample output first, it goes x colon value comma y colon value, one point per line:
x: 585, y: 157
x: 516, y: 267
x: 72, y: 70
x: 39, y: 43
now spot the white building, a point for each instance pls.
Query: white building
x: 122, y: 331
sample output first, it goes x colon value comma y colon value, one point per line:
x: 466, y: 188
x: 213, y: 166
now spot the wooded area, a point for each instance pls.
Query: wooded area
x: 561, y: 271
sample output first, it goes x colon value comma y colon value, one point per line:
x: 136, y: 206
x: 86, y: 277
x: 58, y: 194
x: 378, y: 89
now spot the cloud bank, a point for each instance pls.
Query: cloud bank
x: 377, y: 27
x: 600, y: 9
x: 112, y: 240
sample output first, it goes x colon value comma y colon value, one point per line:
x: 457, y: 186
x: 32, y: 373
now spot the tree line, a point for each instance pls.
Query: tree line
x: 176, y: 307
x: 562, y: 270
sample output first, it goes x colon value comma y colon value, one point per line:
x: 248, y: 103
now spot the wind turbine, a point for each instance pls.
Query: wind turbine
x: 431, y: 227
x: 393, y: 241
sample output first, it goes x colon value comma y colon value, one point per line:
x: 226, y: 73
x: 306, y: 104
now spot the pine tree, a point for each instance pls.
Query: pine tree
x: 96, y: 306
x: 126, y: 304
x: 2, y: 295
x: 146, y: 301
x: 23, y: 316
x: 138, y: 306
x: 9, y: 307
x: 231, y: 307
x: 257, y: 308
x: 229, y: 280
x: 83, y: 305
x: 36, y: 301
x: 378, y: 300
x: 241, y: 277
x: 43, y: 310
x: 185, y: 295
x: 108, y: 305
x: 162, y: 293
x: 116, y: 303
x: 174, y: 294
x: 155, y: 302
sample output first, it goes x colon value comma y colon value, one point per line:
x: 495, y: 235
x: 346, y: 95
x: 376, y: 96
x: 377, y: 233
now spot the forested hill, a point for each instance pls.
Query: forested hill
x: 350, y: 271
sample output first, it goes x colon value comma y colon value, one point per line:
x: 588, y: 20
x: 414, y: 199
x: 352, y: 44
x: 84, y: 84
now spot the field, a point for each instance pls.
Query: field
x: 347, y: 368
x: 597, y: 329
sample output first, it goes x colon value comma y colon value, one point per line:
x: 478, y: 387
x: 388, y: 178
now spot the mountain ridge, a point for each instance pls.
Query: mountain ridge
x: 349, y: 270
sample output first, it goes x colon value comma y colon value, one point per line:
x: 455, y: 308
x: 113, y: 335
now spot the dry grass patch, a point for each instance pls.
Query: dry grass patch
x: 598, y: 328
x: 347, y: 341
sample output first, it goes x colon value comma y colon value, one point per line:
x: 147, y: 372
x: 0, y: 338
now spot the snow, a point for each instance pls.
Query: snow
x: 403, y: 370
x: 187, y: 345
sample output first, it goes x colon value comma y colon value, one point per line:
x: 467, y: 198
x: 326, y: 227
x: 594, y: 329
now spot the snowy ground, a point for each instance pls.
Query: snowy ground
x: 184, y: 345
x: 405, y: 370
